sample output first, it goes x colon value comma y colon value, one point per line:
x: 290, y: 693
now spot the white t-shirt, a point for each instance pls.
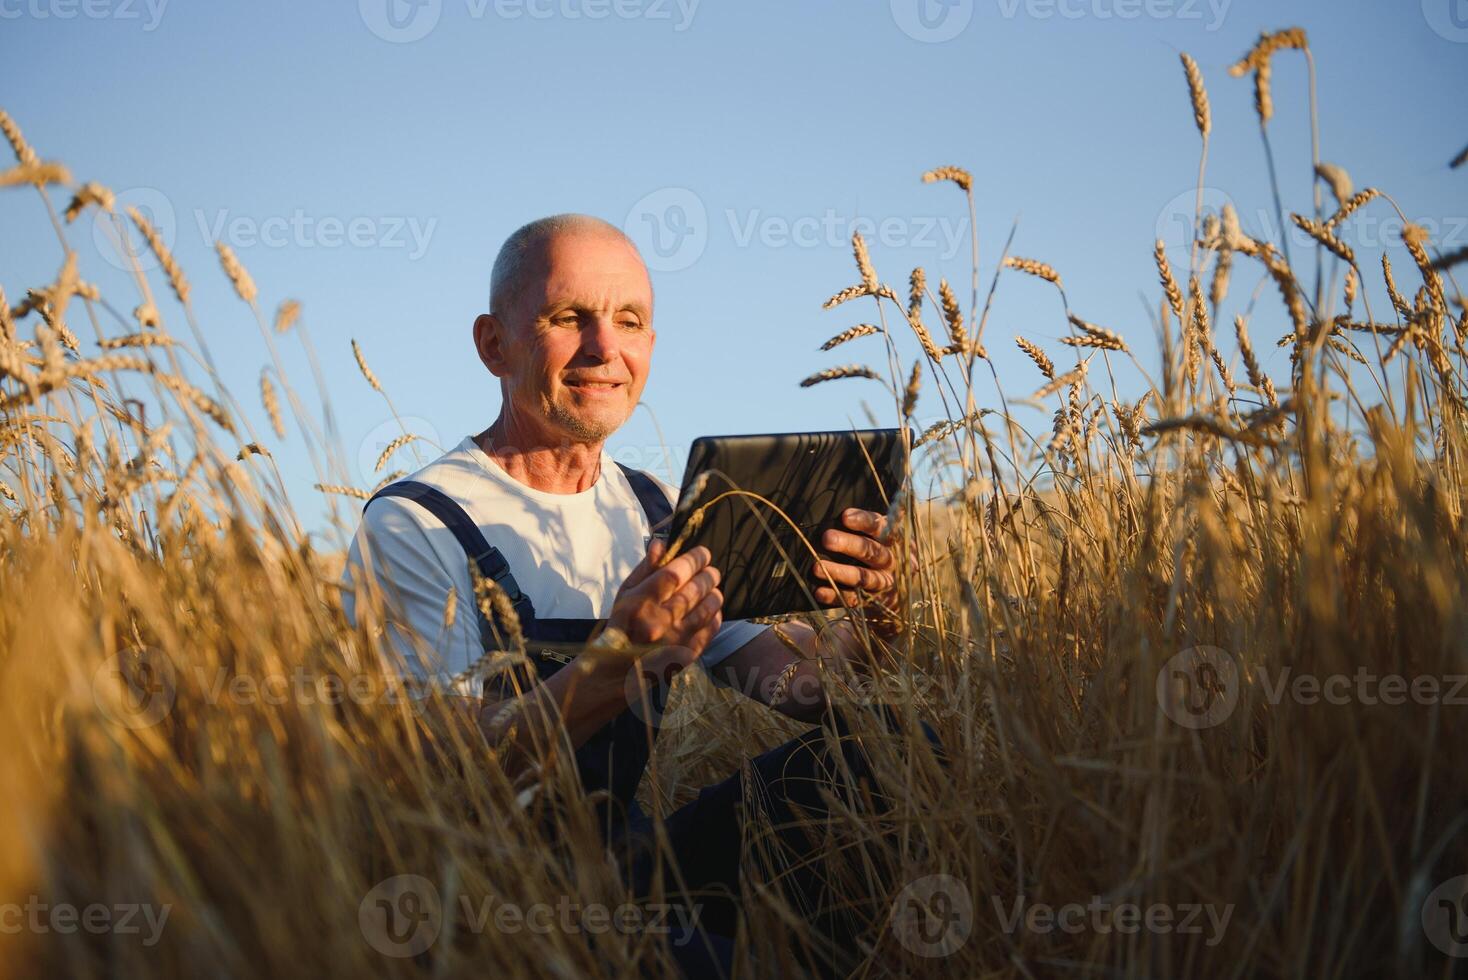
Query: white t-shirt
x: 568, y: 552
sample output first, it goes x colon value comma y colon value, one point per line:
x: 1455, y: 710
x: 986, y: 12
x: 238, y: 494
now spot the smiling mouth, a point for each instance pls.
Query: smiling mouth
x: 595, y: 385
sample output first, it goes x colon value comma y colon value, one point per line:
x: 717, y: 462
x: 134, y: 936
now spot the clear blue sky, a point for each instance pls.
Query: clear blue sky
x: 371, y: 173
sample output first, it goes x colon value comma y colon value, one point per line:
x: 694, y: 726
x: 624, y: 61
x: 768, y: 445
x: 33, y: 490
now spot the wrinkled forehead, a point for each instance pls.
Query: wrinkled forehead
x: 589, y: 269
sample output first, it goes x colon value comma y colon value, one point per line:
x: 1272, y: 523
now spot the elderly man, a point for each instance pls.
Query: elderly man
x: 539, y: 507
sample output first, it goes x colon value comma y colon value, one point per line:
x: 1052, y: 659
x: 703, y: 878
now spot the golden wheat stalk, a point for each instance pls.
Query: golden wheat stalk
x: 7, y: 325
x: 362, y: 366
x: 1169, y: 284
x: 952, y: 315
x: 23, y: 152
x: 917, y: 290
x: 1202, y: 115
x: 286, y: 315
x: 87, y: 195
x: 958, y: 175
x: 1415, y: 238
x: 946, y: 427
x: 1256, y: 375
x: 1038, y: 356
x: 864, y: 262
x: 849, y: 334
x: 1398, y: 303
x: 344, y: 491
x: 1263, y: 95
x: 39, y: 174
x: 136, y: 340
x: 1323, y: 235
x: 251, y: 449
x: 206, y: 405
x: 272, y: 405
x: 846, y: 295
x: 1207, y: 424
x: 914, y: 384
x: 1341, y: 347
x: 391, y: 448
x: 237, y: 273
x: 497, y: 608
x: 1071, y: 377
x: 159, y: 248
x: 837, y: 373
x: 1266, y: 47
x: 1338, y: 180
x: 1033, y: 267
x: 1094, y: 336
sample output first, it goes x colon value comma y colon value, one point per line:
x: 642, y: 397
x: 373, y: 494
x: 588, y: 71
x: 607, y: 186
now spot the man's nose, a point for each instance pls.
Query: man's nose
x: 599, y: 338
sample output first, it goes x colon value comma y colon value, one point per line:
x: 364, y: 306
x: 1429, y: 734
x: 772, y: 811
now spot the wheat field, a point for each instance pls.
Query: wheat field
x: 1194, y: 651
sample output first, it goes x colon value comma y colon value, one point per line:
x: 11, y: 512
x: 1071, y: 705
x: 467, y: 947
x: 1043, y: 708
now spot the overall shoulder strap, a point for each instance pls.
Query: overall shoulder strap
x: 650, y: 495
x: 490, y: 561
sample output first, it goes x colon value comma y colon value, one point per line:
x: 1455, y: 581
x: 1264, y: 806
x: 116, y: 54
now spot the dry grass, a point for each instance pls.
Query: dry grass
x: 1312, y: 523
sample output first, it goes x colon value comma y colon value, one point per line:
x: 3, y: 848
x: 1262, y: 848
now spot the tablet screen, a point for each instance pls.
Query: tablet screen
x: 750, y: 499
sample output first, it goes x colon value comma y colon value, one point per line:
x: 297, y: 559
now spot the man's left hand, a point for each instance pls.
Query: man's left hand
x: 870, y: 580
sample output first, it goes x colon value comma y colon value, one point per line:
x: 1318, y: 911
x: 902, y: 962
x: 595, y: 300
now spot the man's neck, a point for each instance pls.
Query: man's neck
x: 567, y: 467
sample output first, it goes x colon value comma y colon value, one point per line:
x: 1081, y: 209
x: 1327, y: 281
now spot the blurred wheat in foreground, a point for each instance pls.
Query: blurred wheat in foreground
x: 1196, y: 645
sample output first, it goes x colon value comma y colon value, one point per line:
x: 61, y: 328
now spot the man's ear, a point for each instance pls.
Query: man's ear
x: 490, y: 339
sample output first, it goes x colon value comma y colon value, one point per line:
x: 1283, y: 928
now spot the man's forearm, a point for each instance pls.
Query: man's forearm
x: 579, y: 700
x: 788, y: 680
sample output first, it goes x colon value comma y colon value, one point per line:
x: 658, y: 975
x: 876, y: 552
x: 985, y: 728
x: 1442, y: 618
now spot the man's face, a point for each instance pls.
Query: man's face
x: 578, y: 339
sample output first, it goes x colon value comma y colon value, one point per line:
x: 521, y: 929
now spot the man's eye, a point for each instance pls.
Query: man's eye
x: 631, y: 324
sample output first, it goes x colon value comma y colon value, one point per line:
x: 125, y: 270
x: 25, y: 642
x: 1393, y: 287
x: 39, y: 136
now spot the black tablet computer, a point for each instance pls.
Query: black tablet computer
x: 808, y: 477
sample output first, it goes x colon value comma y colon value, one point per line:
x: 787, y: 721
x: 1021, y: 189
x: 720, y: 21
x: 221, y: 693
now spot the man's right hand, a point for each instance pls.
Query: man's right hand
x: 677, y: 605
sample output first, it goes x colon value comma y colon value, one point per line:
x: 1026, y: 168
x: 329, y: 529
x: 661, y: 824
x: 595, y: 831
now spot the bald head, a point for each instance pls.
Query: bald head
x: 521, y: 257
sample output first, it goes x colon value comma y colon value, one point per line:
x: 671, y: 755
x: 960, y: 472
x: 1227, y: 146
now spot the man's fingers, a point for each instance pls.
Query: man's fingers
x: 709, y: 614
x: 865, y: 521
x: 854, y: 576
x: 864, y: 549
x: 676, y: 573
x: 692, y: 593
